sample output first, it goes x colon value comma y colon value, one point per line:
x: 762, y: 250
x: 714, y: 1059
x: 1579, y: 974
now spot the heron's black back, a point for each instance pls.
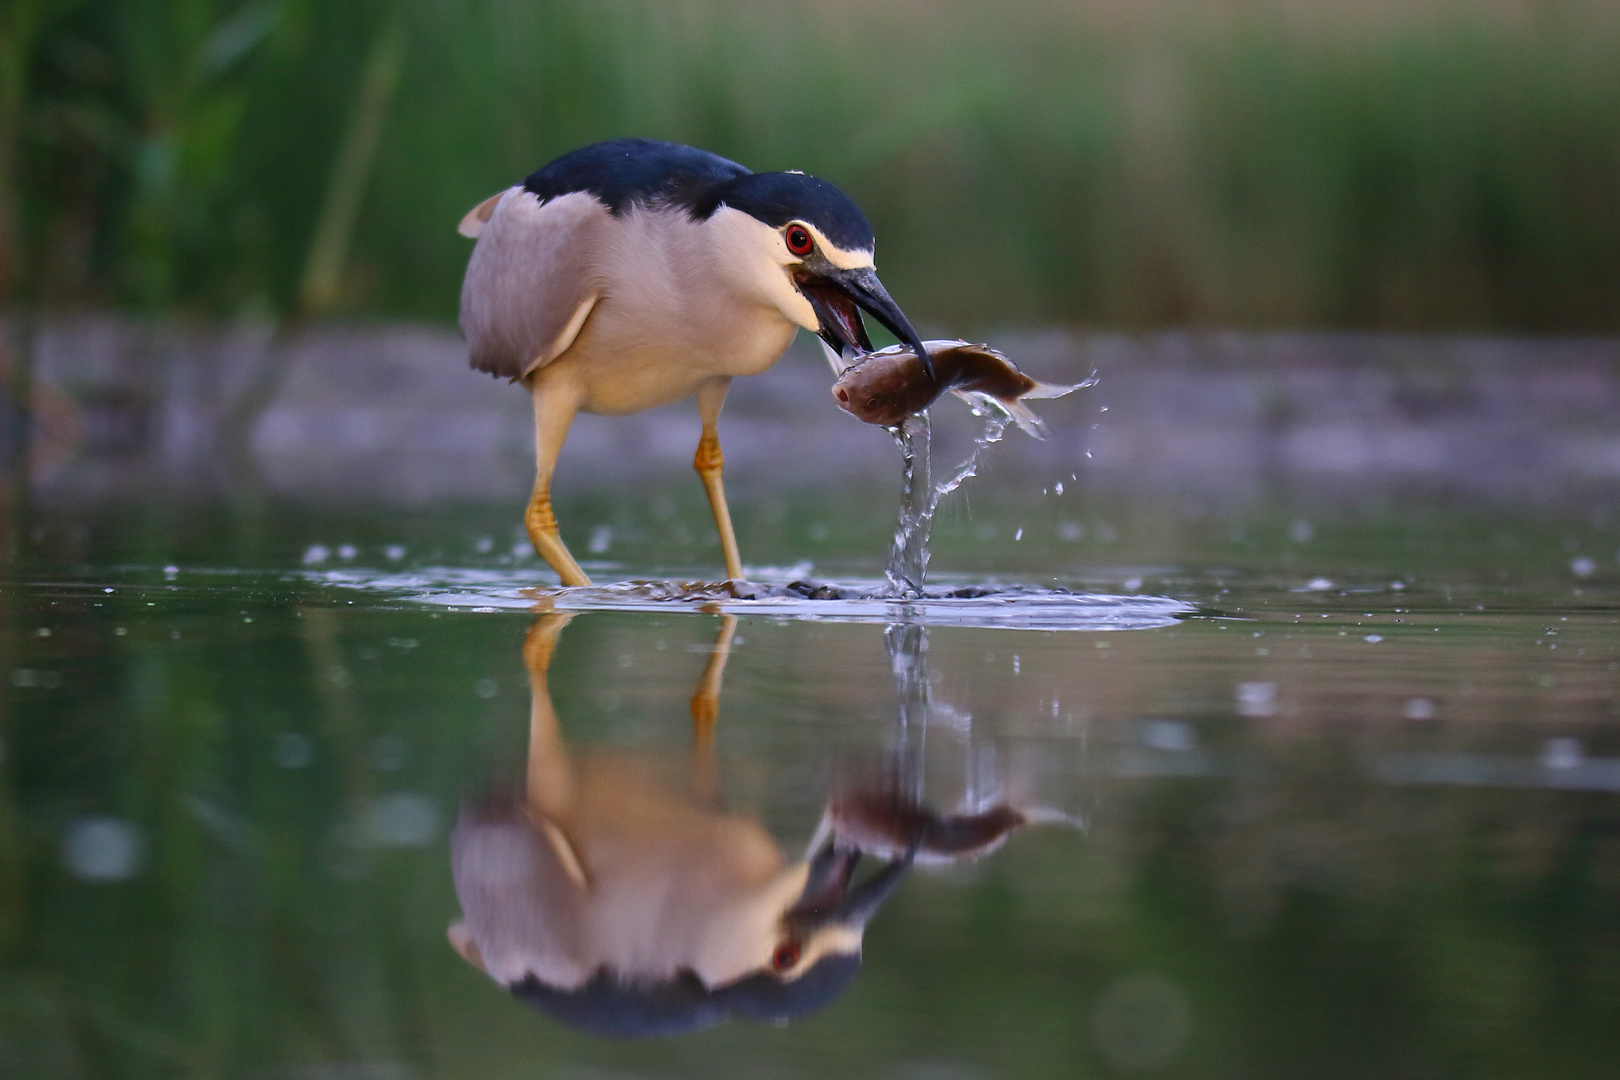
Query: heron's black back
x: 618, y: 1009
x: 623, y: 172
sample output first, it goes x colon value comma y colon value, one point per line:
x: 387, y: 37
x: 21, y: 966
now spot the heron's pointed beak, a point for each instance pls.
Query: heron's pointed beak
x: 828, y: 898
x: 837, y: 294
x: 861, y: 904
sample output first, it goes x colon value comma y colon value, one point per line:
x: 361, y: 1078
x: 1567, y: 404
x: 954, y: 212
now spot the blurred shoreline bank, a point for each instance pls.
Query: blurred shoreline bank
x: 123, y: 411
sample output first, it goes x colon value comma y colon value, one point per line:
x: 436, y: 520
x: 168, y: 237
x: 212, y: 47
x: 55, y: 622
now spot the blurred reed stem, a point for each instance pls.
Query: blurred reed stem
x: 320, y: 287
x: 1431, y: 165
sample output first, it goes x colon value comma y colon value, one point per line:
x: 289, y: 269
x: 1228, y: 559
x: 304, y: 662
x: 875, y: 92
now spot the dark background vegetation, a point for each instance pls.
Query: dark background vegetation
x: 1428, y: 165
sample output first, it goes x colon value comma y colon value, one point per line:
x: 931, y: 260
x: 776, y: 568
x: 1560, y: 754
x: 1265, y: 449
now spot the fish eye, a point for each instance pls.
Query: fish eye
x: 785, y: 956
x: 798, y: 239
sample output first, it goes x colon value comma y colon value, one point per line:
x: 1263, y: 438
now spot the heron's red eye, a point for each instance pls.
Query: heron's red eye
x: 785, y: 956
x: 798, y: 240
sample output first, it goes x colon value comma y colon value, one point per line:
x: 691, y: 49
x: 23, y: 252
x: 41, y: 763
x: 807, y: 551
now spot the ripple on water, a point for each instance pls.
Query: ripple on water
x: 1012, y: 607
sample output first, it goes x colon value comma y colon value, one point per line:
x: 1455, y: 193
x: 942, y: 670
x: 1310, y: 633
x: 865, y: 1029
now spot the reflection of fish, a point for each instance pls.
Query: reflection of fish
x: 882, y: 822
x: 889, y: 385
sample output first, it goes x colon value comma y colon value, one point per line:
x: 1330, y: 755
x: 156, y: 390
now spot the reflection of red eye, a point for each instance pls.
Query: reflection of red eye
x: 785, y: 956
x: 798, y: 240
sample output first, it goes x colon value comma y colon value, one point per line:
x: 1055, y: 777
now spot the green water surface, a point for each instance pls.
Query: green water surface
x: 1355, y: 813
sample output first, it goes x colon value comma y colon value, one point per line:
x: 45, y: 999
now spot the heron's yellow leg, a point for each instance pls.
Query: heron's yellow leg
x: 554, y: 411
x: 706, y: 709
x: 706, y: 698
x: 709, y: 463
x: 550, y: 776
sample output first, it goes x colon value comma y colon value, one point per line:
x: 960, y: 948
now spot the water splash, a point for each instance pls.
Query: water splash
x: 908, y: 554
x: 919, y: 498
x: 907, y: 643
x: 956, y: 602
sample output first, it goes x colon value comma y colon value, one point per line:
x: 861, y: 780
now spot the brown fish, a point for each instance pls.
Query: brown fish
x: 889, y: 385
x: 885, y: 823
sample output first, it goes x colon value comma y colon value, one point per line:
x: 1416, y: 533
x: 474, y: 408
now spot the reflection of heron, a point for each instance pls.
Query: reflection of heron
x: 634, y: 273
x: 630, y: 906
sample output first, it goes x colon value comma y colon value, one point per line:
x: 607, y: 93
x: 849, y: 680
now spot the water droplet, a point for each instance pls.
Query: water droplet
x: 388, y: 753
x: 1300, y: 531
x: 1070, y: 531
x: 394, y: 552
x: 1373, y: 638
x: 170, y: 573
x: 484, y: 545
x: 601, y: 539
x: 1256, y: 698
x: 402, y: 819
x: 486, y: 688
x: 1582, y: 567
x: 1562, y: 753
x: 1418, y: 708
x: 1169, y: 735
x: 316, y: 554
x: 1320, y: 584
x: 103, y: 849
x: 347, y: 552
x: 290, y: 750
x: 1019, y: 535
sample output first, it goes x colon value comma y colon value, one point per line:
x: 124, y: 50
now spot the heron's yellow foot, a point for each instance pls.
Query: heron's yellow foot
x: 709, y: 463
x: 547, y: 541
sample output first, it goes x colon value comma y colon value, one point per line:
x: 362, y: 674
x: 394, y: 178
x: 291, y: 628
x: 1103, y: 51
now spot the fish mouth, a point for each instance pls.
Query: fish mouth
x: 839, y: 297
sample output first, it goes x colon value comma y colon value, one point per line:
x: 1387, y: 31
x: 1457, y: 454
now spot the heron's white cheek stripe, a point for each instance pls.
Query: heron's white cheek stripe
x: 844, y: 260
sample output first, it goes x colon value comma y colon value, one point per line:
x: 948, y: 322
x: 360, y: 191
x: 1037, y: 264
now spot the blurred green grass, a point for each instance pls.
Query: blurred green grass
x: 1431, y: 166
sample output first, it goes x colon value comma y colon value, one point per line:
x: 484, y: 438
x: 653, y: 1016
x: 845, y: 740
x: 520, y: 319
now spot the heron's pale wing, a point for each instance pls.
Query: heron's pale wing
x: 521, y: 902
x: 530, y: 284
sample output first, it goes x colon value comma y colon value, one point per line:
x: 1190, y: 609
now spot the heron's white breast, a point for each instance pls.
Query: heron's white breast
x: 682, y: 302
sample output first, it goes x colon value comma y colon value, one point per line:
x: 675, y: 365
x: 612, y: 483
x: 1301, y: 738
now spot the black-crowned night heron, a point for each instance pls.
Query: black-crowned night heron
x: 622, y: 903
x: 635, y: 273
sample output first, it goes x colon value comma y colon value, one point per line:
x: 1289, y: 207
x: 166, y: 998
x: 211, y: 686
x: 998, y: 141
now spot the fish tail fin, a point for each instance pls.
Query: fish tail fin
x: 1014, y: 410
x: 1056, y: 390
x: 1044, y: 815
x: 1027, y: 421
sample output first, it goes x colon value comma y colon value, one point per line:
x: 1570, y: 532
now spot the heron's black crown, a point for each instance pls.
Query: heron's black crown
x: 626, y: 172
